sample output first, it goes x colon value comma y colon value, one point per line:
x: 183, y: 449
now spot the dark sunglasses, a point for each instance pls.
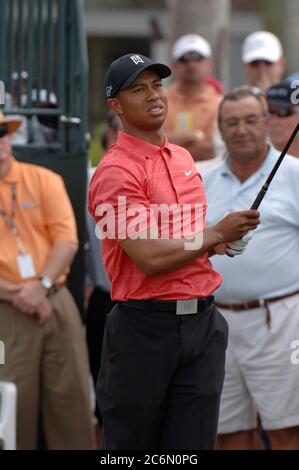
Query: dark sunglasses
x: 3, y: 130
x: 282, y: 112
x: 191, y: 57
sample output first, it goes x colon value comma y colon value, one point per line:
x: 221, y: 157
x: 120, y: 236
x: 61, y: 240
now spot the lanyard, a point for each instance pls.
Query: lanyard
x: 10, y: 220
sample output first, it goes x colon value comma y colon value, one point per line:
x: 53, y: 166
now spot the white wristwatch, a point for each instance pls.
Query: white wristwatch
x: 46, y: 282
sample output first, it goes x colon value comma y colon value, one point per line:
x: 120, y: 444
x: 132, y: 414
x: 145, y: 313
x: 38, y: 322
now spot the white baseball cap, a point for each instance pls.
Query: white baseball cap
x: 191, y: 43
x: 261, y: 45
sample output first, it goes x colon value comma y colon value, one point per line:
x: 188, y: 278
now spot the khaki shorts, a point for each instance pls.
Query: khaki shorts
x: 259, y: 374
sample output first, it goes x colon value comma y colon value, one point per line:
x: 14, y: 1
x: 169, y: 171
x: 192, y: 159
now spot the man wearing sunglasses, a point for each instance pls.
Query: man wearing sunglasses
x: 262, y: 58
x: 283, y: 115
x: 192, y: 100
x: 40, y: 326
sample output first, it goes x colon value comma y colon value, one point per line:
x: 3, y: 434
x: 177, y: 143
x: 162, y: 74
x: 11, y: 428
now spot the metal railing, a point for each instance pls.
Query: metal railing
x: 43, y: 55
x: 44, y: 67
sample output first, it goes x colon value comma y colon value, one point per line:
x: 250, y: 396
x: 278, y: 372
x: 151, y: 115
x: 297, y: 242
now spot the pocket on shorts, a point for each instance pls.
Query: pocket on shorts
x: 285, y: 314
x: 292, y: 305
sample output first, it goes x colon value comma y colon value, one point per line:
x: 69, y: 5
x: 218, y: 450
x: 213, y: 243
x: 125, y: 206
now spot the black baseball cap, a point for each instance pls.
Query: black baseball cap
x: 280, y: 95
x: 124, y: 70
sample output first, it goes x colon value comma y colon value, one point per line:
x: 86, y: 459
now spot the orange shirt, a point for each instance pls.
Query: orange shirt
x: 148, y: 175
x: 43, y: 216
x: 190, y: 114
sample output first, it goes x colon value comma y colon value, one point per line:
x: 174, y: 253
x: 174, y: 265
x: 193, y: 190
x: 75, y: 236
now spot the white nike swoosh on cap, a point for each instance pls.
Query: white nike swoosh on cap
x: 187, y: 173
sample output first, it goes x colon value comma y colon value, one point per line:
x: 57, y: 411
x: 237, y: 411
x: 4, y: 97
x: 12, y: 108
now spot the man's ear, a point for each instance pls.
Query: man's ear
x: 115, y: 105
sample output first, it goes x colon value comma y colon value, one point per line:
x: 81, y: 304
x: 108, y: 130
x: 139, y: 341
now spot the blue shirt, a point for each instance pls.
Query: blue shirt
x: 270, y: 265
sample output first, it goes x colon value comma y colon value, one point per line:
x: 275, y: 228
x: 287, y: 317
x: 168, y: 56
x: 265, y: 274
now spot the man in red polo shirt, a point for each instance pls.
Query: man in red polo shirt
x: 164, y: 346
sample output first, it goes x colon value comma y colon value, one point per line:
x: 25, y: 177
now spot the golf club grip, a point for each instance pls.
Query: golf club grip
x: 256, y: 204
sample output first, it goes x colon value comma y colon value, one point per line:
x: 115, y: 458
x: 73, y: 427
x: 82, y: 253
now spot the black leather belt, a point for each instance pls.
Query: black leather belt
x: 170, y: 306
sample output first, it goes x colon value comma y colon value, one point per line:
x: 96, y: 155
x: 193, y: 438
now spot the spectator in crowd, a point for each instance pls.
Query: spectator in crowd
x: 164, y: 343
x: 39, y: 322
x: 259, y: 296
x: 110, y: 132
x: 263, y: 60
x: 283, y: 103
x: 192, y: 100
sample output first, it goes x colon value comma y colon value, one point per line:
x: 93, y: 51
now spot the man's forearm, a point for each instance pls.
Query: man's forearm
x: 178, y: 256
x: 154, y: 256
x: 167, y: 255
x: 60, y: 258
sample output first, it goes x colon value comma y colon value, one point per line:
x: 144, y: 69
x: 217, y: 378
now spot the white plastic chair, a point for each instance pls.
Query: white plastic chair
x: 8, y: 407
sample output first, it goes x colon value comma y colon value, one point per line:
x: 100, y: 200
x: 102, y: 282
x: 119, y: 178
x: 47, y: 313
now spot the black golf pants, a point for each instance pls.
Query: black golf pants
x: 161, y: 378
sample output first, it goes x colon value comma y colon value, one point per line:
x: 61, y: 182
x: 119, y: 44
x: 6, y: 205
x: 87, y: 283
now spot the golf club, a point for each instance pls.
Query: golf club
x: 261, y: 194
x: 266, y: 185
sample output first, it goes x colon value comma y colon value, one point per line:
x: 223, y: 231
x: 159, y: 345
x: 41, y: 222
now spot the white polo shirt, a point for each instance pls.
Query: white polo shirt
x: 270, y: 265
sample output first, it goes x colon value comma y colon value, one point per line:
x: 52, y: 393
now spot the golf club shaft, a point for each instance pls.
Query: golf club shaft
x: 265, y: 187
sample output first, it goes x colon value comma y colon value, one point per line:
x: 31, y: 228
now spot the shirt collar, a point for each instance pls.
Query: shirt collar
x: 140, y: 146
x: 264, y: 169
x: 13, y: 175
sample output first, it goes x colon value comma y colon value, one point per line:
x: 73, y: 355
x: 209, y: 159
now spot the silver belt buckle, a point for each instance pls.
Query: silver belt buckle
x: 186, y: 307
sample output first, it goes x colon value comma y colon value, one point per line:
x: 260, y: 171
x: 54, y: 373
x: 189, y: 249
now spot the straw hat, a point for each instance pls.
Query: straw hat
x: 11, y: 123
